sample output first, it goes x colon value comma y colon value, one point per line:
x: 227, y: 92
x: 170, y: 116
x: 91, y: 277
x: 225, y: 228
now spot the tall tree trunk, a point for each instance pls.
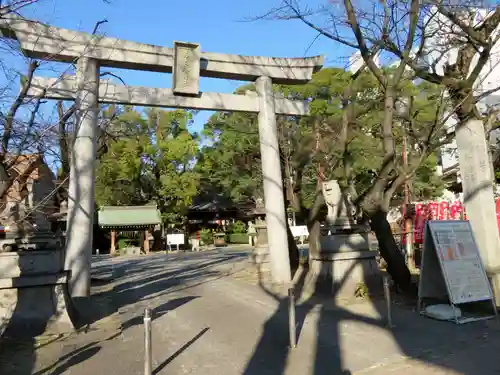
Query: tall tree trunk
x: 389, y: 250
x: 293, y: 250
x: 314, y: 217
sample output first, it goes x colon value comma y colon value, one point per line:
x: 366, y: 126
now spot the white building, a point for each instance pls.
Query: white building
x: 439, y: 52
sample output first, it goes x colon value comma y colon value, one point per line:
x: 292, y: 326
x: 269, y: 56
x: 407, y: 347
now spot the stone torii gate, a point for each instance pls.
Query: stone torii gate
x: 187, y: 63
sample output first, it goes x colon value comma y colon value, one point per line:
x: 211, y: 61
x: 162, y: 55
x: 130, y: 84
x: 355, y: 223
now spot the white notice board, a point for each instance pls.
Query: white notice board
x: 175, y: 239
x: 299, y: 230
x: 455, y: 249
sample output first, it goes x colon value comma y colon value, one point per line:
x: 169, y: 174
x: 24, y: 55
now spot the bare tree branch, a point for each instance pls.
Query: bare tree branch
x: 9, y: 118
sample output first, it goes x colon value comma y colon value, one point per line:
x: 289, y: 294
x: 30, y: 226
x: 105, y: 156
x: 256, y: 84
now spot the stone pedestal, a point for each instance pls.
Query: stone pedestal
x: 340, y: 273
x: 344, y: 242
x: 343, y: 263
x: 131, y: 250
x: 33, y: 294
x: 261, y: 235
x: 33, y: 241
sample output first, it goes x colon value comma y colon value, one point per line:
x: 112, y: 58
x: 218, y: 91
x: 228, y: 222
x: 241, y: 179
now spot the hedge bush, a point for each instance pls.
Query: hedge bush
x: 126, y: 242
x: 206, y: 236
x: 238, y: 238
x: 238, y: 228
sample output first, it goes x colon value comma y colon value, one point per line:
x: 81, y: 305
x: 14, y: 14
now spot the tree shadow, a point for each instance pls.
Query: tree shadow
x: 158, y: 311
x: 145, y: 281
x: 74, y: 357
x: 17, y: 358
x: 441, y: 344
x: 272, y: 352
x: 69, y: 360
x: 338, y: 326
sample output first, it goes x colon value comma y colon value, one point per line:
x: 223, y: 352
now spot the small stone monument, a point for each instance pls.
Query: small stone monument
x: 344, y: 260
x: 343, y: 234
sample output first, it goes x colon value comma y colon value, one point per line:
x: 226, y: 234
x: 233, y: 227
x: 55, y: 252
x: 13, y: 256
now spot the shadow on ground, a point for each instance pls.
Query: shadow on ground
x: 422, y: 342
x: 164, y: 364
x: 142, y: 283
x: 420, y: 339
x: 147, y: 280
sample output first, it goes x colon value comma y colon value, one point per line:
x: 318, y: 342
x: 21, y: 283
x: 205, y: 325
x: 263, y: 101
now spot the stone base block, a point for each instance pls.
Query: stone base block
x: 29, y: 311
x: 36, y: 241
x: 341, y: 273
x: 345, y: 242
x: 133, y: 250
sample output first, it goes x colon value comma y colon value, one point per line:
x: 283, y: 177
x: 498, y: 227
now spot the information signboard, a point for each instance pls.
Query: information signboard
x: 451, y: 264
x: 175, y: 239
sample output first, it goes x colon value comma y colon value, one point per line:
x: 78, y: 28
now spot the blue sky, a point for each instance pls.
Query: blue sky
x: 217, y: 25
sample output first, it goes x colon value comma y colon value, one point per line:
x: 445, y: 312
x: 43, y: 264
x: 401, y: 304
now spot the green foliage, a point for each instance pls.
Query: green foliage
x: 231, y: 158
x: 126, y: 242
x: 206, y: 236
x: 238, y: 227
x: 426, y: 184
x: 361, y: 291
x: 152, y: 161
x: 23, y: 80
x: 361, y: 162
x: 238, y: 238
x: 232, y: 154
x: 154, y: 158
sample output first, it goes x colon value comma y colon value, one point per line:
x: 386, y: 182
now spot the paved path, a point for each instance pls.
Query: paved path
x: 209, y: 320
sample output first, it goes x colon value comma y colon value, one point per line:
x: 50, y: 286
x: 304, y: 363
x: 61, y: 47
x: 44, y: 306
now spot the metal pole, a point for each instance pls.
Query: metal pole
x: 147, y: 342
x: 406, y: 223
x: 291, y: 318
x: 387, y: 294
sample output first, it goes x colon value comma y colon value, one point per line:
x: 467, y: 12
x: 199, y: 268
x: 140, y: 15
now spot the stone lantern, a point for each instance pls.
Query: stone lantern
x: 260, y: 254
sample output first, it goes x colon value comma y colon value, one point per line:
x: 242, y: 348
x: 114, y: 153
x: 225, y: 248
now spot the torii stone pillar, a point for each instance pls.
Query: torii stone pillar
x: 81, y: 208
x: 274, y: 201
x: 479, y: 199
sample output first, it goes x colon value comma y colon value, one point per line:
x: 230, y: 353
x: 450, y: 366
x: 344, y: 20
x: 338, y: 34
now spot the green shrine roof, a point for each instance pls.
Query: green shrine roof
x: 128, y: 216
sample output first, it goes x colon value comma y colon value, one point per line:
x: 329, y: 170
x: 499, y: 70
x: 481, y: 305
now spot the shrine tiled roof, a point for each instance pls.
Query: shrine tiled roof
x: 128, y: 216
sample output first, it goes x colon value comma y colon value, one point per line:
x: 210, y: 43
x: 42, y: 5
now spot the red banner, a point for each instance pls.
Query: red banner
x: 441, y: 211
x: 456, y: 210
x: 444, y: 210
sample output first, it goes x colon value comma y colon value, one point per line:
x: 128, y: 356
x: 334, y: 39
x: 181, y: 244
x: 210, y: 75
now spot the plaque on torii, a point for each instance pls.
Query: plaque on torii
x: 186, y: 69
